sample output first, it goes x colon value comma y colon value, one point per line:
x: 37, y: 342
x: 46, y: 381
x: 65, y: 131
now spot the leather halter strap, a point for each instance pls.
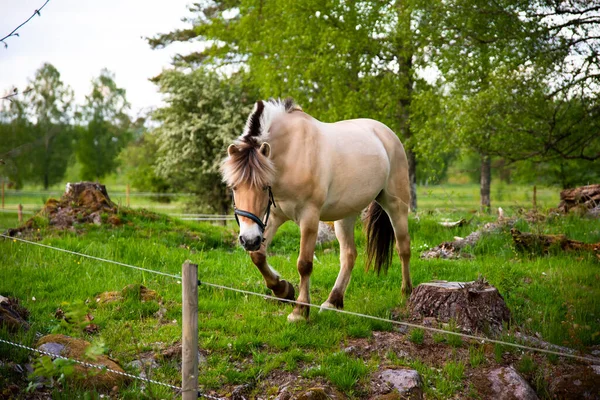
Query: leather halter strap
x: 262, y: 225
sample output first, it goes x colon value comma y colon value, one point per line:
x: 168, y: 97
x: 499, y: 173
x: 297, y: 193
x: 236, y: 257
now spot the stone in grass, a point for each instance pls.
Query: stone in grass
x: 75, y: 349
x: 506, y: 384
x: 406, y: 382
x: 474, y: 306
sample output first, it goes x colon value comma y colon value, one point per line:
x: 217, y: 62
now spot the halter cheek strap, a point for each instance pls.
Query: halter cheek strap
x: 262, y: 225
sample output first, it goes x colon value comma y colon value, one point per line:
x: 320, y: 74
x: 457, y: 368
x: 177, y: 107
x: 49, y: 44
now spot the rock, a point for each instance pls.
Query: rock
x: 581, y: 383
x: 75, y: 349
x: 407, y: 382
x: 506, y: 384
x: 474, y: 306
x: 326, y: 233
x: 52, y: 348
x: 13, y: 316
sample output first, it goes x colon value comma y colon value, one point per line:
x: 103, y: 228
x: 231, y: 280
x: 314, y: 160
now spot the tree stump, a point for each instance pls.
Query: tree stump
x: 586, y: 197
x: 473, y: 306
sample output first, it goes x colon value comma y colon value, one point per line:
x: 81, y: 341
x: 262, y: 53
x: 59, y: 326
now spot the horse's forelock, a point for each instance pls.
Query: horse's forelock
x: 247, y: 166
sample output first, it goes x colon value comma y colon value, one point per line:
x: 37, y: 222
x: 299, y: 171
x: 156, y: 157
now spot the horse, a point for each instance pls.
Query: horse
x: 287, y: 165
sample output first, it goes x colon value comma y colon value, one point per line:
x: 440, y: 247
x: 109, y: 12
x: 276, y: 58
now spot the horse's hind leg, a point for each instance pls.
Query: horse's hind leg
x: 281, y: 288
x: 344, y: 231
x: 397, y: 209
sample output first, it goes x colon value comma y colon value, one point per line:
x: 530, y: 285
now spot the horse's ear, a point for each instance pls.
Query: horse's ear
x: 232, y: 149
x: 265, y: 149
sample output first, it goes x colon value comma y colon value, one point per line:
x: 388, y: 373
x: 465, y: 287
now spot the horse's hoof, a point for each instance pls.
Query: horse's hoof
x: 293, y: 317
x: 325, y: 306
x: 291, y: 293
x: 288, y: 294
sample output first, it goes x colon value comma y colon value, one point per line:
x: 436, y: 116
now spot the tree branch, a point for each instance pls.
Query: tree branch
x: 14, y: 32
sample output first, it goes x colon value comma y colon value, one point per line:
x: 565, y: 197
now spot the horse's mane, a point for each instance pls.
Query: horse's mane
x: 246, y: 164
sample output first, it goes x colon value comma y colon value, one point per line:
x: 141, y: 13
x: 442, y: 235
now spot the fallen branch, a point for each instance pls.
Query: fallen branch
x: 543, y: 243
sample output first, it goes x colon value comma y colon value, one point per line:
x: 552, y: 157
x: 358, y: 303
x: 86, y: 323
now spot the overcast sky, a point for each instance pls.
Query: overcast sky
x: 80, y: 37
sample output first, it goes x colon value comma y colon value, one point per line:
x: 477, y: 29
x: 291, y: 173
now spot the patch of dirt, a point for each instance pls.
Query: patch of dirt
x: 137, y: 291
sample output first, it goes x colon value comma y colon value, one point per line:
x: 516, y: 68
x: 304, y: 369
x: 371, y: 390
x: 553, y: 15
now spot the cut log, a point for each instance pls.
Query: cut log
x: 473, y: 306
x: 586, y: 197
x: 532, y: 242
x: 454, y: 224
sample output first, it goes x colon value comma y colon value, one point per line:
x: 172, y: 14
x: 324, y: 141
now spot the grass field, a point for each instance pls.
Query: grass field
x: 247, y: 339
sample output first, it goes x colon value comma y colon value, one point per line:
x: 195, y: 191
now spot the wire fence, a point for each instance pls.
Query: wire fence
x: 479, y: 339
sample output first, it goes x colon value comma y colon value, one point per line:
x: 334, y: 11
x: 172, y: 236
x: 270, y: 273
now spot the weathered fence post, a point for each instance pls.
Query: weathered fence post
x: 189, y: 338
x: 3, y: 193
x: 127, y: 189
x: 20, y: 213
x: 534, y: 197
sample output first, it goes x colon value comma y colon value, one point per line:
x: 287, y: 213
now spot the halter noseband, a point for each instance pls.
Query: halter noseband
x: 262, y: 225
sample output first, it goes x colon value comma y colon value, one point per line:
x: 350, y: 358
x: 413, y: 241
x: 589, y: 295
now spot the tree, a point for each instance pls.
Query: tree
x: 48, y: 104
x: 139, y: 161
x: 16, y: 140
x: 107, y: 130
x: 520, y: 83
x: 339, y: 60
x: 205, y: 112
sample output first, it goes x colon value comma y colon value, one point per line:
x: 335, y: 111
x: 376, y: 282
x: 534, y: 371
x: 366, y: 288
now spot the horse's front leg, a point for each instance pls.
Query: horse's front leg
x: 281, y: 288
x: 309, y: 227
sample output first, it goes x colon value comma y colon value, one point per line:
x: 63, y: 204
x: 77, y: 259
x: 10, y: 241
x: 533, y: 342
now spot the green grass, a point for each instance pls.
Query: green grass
x: 247, y: 337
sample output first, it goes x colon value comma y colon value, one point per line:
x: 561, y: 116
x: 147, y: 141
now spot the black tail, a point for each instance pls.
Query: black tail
x: 380, y: 238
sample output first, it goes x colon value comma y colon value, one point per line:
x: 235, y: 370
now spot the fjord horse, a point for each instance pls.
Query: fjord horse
x: 289, y: 166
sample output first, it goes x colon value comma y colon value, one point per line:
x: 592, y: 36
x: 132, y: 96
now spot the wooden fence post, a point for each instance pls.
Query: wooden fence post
x: 534, y: 197
x: 20, y: 213
x: 3, y: 193
x: 127, y: 189
x: 189, y: 338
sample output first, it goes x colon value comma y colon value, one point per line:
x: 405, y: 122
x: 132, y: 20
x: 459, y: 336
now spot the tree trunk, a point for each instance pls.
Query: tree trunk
x: 404, y: 51
x: 486, y: 179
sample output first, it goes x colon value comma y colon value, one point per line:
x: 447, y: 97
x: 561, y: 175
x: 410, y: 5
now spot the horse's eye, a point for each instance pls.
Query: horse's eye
x: 234, y: 188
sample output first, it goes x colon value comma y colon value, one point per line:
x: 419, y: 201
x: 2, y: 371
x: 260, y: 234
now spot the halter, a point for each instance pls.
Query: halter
x: 247, y: 214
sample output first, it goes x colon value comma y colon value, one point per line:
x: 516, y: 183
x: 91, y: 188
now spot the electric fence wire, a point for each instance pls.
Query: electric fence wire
x: 372, y: 317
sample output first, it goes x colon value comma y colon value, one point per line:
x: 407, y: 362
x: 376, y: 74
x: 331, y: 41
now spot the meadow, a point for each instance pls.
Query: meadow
x: 247, y: 340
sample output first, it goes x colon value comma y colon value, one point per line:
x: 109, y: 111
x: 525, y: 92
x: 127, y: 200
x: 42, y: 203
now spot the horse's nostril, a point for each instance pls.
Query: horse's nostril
x: 242, y: 241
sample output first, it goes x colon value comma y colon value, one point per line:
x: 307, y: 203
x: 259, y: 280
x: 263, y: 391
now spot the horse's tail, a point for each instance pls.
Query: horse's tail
x: 380, y: 238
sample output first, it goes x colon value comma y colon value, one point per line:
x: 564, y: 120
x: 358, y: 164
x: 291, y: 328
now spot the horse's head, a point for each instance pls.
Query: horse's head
x: 249, y: 172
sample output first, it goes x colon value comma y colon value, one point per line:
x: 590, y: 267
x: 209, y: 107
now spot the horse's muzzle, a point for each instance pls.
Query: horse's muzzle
x: 251, y: 244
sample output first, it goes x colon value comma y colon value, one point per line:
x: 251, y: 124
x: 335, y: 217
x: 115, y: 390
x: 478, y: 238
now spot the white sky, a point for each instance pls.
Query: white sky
x: 80, y: 37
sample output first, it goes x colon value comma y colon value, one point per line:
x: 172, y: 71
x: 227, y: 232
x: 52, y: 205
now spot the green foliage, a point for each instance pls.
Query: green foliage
x: 138, y: 160
x: 107, y: 130
x: 341, y: 369
x: 417, y: 336
x: 57, y: 371
x: 204, y: 113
